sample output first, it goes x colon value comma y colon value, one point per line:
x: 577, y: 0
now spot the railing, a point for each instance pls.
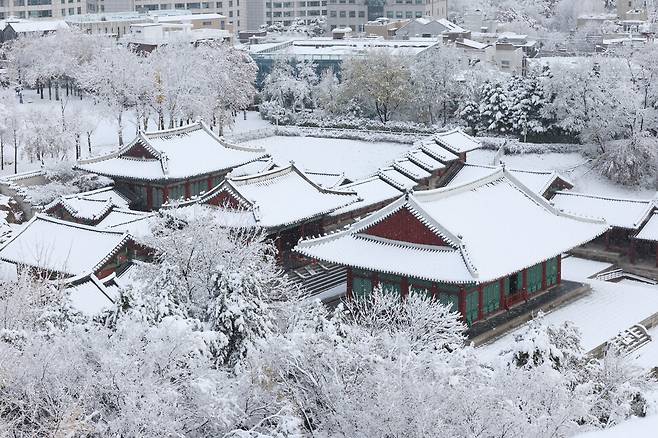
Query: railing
x: 610, y: 275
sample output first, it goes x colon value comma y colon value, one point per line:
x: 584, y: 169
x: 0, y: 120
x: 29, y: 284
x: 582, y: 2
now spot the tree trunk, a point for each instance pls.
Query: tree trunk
x: 50, y: 89
x: 120, y: 128
x: 41, y: 90
x: 2, y: 152
x: 89, y: 141
x: 78, y: 150
x: 56, y: 90
x: 15, y: 152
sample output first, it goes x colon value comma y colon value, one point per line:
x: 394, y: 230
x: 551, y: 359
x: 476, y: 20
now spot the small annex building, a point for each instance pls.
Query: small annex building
x: 63, y: 249
x: 631, y: 221
x: 482, y: 246
x: 172, y: 164
x: 285, y: 202
x: 87, y: 207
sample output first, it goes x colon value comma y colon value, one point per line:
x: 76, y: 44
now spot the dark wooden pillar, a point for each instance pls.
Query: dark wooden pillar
x: 375, y: 279
x: 480, y: 302
x: 188, y: 191
x: 543, y: 276
x: 350, y: 284
x: 524, y: 287
x: 277, y: 243
x: 149, y: 197
x: 165, y: 194
x: 607, y: 240
x: 559, y: 269
x: 209, y: 183
x: 631, y: 253
x: 404, y: 287
x: 462, y: 301
x: 503, y: 299
x: 435, y: 289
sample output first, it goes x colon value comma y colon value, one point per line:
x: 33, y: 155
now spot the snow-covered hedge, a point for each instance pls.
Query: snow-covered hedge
x: 347, y: 134
x: 513, y: 146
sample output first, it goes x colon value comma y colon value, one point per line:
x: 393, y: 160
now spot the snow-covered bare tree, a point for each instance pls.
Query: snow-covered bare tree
x: 379, y: 80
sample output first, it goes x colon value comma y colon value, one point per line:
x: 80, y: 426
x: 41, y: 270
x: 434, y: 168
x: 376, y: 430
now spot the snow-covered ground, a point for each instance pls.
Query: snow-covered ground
x: 355, y: 158
x: 573, y: 165
x: 600, y: 315
x: 636, y: 428
x: 574, y: 267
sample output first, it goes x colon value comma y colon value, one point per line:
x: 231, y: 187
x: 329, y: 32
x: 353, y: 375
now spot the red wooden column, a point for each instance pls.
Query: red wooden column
x: 524, y: 287
x: 350, y: 284
x: 559, y: 269
x: 480, y: 302
x: 188, y: 192
x: 165, y: 194
x: 277, y: 244
x: 435, y: 289
x: 632, y: 251
x: 543, y: 276
x: 404, y: 288
x: 210, y: 183
x: 503, y: 299
x: 462, y: 301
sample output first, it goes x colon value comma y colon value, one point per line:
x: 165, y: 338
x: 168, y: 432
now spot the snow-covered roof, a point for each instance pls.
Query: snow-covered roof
x: 38, y: 26
x: 371, y: 191
x: 91, y: 205
x: 457, y: 141
x: 172, y: 154
x: 278, y: 198
x: 650, y: 229
x: 472, y: 44
x: 536, y: 180
x: 617, y: 212
x: 492, y: 227
x: 328, y: 180
x: 396, y: 178
x: 426, y: 161
x: 262, y: 165
x: 135, y: 223
x: 62, y: 247
x: 410, y: 169
x: 434, y: 149
x: 91, y: 296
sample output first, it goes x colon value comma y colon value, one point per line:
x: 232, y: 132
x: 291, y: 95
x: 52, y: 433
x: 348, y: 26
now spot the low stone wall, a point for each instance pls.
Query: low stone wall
x: 12, y: 186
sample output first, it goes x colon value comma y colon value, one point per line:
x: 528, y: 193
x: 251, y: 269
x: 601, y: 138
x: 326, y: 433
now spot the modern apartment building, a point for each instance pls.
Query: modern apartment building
x: 36, y: 9
x: 356, y: 13
x: 234, y: 10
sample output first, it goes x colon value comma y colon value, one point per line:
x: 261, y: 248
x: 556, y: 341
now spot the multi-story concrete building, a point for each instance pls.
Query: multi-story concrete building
x: 37, y: 9
x: 356, y: 13
x: 268, y: 12
x: 234, y: 10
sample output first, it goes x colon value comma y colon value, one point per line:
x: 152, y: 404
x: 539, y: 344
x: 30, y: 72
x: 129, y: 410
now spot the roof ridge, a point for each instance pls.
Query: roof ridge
x: 40, y: 216
x: 190, y: 127
x: 604, y: 197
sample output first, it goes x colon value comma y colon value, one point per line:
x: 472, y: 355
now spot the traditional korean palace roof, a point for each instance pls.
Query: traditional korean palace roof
x: 650, y: 230
x: 457, y: 141
x: 135, y: 223
x: 328, y: 180
x: 172, y: 154
x: 371, y: 191
x: 618, y: 212
x: 474, y: 233
x: 396, y: 178
x: 435, y: 150
x: 90, y: 295
x: 537, y: 181
x: 92, y: 205
x: 62, y: 247
x: 275, y: 199
x: 428, y: 162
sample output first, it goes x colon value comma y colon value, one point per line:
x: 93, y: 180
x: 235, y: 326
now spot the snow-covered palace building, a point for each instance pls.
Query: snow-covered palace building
x: 172, y: 164
x: 481, y: 246
x: 284, y: 202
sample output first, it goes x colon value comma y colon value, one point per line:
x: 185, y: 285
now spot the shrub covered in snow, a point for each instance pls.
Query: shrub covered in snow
x: 631, y: 161
x: 62, y: 179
